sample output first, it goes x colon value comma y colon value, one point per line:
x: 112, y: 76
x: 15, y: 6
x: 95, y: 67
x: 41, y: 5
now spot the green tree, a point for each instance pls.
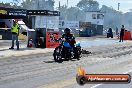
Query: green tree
x: 7, y: 5
x: 38, y: 4
x: 112, y: 18
x: 88, y: 5
x: 63, y: 12
x: 26, y: 4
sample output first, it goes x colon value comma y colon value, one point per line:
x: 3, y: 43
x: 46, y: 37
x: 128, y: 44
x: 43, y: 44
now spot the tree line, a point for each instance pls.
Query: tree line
x: 113, y: 18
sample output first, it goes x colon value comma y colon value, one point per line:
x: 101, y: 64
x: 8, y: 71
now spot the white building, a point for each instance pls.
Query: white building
x: 95, y: 17
x: 48, y: 22
x: 97, y: 21
x: 44, y: 19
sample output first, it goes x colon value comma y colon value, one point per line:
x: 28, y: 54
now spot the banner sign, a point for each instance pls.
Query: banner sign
x: 17, y: 12
x: 69, y: 24
x: 51, y: 38
x: 43, y: 12
x: 13, y: 12
x: 3, y: 12
x: 24, y: 12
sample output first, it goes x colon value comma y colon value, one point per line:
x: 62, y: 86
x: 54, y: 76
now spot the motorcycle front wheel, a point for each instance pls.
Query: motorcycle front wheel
x: 57, y: 56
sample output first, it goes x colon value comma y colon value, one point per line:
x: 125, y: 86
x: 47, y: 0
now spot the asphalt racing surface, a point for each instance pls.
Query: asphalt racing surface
x: 40, y: 71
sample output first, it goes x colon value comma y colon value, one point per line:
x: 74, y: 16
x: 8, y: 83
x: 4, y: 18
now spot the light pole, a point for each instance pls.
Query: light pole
x: 66, y: 10
x: 67, y: 3
x: 121, y: 14
x: 118, y: 6
x: 38, y: 5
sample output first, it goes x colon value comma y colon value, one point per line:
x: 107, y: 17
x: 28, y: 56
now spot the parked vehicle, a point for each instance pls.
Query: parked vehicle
x: 110, y: 33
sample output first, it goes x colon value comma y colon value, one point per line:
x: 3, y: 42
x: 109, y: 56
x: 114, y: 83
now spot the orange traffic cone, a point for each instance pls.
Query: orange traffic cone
x: 30, y: 43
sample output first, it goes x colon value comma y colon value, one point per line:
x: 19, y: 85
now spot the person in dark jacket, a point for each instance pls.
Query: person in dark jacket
x: 69, y: 37
x: 122, y: 33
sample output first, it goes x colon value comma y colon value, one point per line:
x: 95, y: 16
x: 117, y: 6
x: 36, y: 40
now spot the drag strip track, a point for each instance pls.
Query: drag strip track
x: 41, y: 69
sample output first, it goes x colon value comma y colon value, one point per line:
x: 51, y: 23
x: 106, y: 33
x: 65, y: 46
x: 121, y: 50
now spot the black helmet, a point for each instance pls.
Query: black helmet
x: 67, y: 31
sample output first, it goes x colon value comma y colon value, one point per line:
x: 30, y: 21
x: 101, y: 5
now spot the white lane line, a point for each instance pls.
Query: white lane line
x: 96, y: 85
x: 128, y: 72
x: 102, y: 84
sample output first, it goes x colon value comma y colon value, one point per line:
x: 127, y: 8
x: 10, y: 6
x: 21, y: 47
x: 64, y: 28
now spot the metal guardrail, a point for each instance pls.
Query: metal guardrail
x: 5, y: 28
x: 5, y: 33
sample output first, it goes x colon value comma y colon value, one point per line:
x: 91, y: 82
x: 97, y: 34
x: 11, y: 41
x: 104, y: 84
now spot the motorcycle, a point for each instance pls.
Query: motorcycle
x: 65, y: 52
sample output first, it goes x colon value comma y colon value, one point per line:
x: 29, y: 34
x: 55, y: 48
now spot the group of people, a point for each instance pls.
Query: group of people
x: 15, y: 33
x: 67, y: 35
x: 121, y: 34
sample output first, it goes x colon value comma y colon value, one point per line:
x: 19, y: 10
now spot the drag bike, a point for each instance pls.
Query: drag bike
x: 65, y: 52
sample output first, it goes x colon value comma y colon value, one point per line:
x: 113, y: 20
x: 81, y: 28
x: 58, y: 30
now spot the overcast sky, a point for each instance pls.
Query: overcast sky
x: 125, y: 5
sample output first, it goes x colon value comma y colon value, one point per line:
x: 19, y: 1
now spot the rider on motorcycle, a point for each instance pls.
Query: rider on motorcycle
x: 69, y: 37
x: 67, y: 48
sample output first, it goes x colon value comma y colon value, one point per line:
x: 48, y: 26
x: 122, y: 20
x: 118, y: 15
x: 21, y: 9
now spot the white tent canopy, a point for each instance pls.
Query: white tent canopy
x: 23, y: 27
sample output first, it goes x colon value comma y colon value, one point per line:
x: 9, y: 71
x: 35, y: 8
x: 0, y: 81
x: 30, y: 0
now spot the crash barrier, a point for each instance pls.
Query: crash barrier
x: 51, y: 38
x: 127, y: 35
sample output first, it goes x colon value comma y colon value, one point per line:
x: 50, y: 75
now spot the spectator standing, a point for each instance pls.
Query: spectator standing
x: 122, y: 33
x: 15, y: 33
